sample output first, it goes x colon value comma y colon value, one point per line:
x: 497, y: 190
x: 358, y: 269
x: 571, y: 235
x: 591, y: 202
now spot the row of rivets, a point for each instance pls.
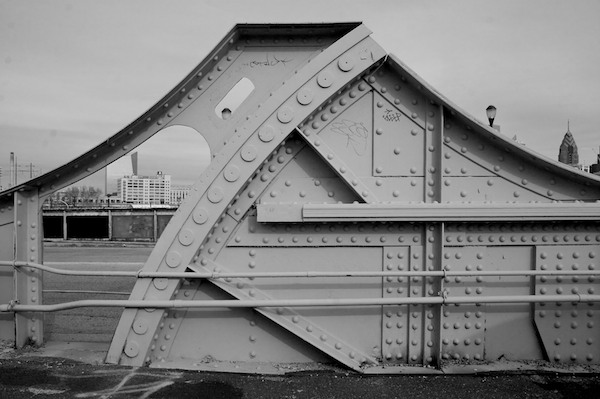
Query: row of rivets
x: 395, y: 321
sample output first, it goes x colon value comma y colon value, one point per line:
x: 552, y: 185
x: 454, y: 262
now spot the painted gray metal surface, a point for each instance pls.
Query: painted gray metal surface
x: 343, y: 161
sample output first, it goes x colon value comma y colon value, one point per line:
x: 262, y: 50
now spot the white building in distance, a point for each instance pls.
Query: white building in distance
x: 145, y: 190
x: 179, y: 193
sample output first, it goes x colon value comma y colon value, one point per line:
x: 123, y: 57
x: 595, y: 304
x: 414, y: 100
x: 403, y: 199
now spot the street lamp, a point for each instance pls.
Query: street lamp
x: 491, y: 114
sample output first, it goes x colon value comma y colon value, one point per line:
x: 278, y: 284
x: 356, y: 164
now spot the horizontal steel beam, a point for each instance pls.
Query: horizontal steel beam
x: 434, y: 300
x: 423, y: 212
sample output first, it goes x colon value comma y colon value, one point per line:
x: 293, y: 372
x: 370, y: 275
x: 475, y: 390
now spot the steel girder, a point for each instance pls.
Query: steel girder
x: 343, y: 162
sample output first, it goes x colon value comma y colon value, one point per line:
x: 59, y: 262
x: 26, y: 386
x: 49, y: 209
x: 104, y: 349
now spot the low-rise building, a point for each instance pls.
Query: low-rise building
x: 146, y: 190
x: 179, y: 193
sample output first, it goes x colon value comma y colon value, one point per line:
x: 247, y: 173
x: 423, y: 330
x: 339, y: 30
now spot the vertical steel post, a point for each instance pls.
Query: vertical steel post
x: 7, y: 329
x: 64, y: 221
x: 154, y: 226
x: 110, y: 224
x: 28, y: 281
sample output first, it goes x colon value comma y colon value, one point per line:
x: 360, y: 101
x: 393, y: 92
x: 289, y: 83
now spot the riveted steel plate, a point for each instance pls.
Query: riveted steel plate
x: 567, y: 329
x: 395, y: 319
x: 398, y: 142
x: 488, y: 331
x: 350, y: 133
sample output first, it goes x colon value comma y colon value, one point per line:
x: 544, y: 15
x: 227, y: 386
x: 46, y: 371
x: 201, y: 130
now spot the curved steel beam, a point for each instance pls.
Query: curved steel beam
x: 245, y: 152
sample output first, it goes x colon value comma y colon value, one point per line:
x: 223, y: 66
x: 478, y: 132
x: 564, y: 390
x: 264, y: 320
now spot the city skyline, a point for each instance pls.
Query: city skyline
x: 74, y: 73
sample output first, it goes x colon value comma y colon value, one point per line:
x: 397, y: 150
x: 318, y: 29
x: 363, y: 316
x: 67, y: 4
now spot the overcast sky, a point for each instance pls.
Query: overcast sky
x: 73, y: 73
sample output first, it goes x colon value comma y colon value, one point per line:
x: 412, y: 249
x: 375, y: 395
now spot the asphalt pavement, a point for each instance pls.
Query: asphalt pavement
x: 25, y: 374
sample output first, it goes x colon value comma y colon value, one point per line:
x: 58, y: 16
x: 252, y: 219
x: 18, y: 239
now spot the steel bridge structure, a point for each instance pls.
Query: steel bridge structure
x: 350, y: 214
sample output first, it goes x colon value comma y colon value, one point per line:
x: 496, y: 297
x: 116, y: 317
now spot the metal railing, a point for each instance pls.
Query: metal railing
x: 441, y: 299
x: 223, y: 275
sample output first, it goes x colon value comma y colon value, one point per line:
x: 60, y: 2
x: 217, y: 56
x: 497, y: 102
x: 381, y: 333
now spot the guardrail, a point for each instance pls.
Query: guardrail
x: 441, y: 299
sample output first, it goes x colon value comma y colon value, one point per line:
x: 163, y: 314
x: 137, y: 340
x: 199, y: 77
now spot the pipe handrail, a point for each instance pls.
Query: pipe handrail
x: 86, y: 292
x: 223, y: 275
x: 269, y: 303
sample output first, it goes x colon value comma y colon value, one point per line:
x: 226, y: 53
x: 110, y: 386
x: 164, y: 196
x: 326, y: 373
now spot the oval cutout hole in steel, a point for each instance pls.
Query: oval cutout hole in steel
x: 234, y: 98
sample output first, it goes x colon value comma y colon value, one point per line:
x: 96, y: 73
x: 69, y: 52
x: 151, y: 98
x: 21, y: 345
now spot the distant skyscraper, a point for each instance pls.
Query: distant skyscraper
x: 126, y: 166
x: 568, y: 149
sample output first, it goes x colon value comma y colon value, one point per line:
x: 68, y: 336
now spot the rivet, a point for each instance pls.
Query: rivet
x: 267, y: 133
x: 132, y: 349
x: 325, y: 79
x: 345, y: 63
x: 248, y: 153
x: 186, y: 237
x: 305, y: 96
x: 173, y: 259
x: 160, y: 283
x: 215, y: 195
x: 140, y: 327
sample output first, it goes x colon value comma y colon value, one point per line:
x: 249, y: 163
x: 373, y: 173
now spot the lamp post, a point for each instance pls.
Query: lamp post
x: 491, y: 114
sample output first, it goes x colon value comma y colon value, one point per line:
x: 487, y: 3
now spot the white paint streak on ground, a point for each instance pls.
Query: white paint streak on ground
x: 145, y: 390
x: 40, y: 391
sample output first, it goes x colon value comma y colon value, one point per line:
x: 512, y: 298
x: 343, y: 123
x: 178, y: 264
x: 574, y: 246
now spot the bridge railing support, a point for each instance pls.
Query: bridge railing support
x: 27, y: 281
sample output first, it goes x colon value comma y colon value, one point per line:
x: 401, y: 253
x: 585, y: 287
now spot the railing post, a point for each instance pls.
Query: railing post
x: 110, y: 224
x: 28, y: 281
x: 64, y: 221
x: 155, y: 225
x: 7, y: 320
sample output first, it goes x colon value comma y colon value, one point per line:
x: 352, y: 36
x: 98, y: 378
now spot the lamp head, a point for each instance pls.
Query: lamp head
x: 491, y: 114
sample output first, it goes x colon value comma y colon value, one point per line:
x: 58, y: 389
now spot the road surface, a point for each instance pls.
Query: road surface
x: 87, y: 324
